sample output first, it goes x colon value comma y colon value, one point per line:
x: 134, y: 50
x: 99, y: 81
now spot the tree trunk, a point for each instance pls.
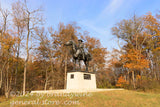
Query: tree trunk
x: 133, y: 80
x: 65, y: 72
x: 24, y: 79
x: 2, y: 73
x: 26, y: 61
x: 7, y: 87
x: 45, y: 87
x: 158, y: 74
x: 17, y: 63
x: 154, y: 71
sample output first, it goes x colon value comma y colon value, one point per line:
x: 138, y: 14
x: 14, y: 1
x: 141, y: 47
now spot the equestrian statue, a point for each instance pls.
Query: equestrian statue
x: 78, y: 53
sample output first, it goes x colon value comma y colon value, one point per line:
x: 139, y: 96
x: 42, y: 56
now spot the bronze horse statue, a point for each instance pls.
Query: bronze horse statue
x: 86, y: 58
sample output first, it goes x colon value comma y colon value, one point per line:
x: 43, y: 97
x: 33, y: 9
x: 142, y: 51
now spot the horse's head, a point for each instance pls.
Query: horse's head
x: 69, y: 43
x: 72, y: 44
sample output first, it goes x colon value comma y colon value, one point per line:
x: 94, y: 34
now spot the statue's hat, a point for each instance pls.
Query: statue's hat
x: 80, y: 40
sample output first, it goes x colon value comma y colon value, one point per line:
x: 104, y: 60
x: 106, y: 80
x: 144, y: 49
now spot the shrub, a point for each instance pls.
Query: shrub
x: 122, y: 83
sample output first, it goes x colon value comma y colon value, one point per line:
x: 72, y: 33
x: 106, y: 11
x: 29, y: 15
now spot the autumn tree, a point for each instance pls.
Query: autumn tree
x: 99, y: 55
x: 98, y: 52
x: 115, y: 66
x: 141, y: 37
x: 19, y: 28
x: 7, y: 41
x: 45, y: 53
x: 60, y: 37
x: 3, y: 36
x: 152, y: 45
x: 121, y: 82
x: 32, y: 19
x: 134, y: 61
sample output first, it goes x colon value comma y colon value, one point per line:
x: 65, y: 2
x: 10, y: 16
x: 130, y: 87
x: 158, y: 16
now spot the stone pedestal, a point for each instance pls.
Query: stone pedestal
x: 81, y: 80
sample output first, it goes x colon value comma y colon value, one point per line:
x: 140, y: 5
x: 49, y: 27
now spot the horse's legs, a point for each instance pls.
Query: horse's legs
x: 74, y: 61
x: 79, y: 64
x: 86, y: 64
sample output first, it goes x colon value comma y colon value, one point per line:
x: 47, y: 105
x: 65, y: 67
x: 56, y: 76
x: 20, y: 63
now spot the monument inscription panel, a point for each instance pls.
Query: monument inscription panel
x: 72, y: 76
x: 87, y: 76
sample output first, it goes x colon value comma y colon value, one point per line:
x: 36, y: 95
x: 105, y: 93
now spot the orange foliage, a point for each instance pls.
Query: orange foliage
x: 98, y: 52
x: 134, y: 60
x: 7, y: 41
x: 138, y: 77
x: 121, y: 82
x: 152, y: 24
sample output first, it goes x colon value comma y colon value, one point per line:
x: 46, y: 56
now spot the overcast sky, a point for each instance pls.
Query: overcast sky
x: 95, y: 16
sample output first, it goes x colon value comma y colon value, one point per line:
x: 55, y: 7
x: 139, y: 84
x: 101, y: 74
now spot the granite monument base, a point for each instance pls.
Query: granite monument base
x: 81, y: 80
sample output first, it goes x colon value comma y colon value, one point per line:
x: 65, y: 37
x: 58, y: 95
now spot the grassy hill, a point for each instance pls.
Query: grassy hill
x: 120, y: 98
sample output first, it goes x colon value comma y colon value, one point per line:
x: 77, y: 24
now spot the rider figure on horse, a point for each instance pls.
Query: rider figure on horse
x: 80, y: 49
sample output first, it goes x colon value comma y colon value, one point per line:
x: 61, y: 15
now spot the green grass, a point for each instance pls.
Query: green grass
x: 119, y: 98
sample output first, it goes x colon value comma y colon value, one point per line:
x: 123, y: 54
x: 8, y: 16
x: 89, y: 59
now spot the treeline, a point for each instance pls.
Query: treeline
x: 137, y: 63
x: 33, y: 57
